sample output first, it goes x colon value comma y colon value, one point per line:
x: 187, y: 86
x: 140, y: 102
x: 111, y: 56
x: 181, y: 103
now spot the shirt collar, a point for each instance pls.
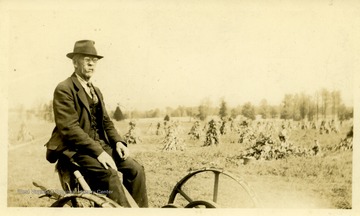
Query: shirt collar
x: 82, y: 81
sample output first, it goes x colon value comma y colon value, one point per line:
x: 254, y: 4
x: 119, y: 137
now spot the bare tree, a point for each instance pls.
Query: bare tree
x: 264, y: 109
x: 204, y: 109
x: 223, y: 112
x: 325, y: 98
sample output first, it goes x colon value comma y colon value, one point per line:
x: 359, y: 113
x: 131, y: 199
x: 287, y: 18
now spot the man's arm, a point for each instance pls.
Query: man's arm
x: 67, y: 121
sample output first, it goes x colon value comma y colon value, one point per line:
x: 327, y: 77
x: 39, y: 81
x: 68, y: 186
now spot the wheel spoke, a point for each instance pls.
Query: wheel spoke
x: 184, y: 195
x: 85, y: 200
x: 216, y: 186
x: 217, y: 192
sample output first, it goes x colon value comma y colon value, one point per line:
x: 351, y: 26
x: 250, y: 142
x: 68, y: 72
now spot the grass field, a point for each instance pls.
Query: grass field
x: 296, y: 182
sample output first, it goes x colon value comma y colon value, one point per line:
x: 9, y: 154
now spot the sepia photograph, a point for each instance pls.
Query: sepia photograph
x: 243, y: 106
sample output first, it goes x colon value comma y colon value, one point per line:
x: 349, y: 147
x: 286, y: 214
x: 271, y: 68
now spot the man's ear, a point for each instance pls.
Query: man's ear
x: 75, y: 61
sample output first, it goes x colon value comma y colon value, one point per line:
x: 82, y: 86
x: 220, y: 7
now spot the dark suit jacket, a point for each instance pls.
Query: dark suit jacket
x: 73, y: 121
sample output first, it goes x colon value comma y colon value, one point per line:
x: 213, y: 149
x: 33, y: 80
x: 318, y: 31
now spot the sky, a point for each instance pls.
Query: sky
x: 171, y: 53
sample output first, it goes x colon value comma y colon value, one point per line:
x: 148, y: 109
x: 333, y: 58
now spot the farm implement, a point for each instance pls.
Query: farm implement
x: 200, y: 188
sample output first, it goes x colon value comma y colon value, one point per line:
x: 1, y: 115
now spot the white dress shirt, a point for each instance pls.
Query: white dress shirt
x: 84, y: 85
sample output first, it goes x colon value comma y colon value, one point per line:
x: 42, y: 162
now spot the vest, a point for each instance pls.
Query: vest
x: 96, y: 130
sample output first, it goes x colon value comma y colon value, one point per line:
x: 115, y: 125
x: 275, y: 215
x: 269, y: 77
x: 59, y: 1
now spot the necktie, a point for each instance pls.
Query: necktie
x: 92, y: 91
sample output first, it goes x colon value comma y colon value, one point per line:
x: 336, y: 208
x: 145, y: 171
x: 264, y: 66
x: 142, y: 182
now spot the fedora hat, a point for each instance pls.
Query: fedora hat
x: 85, y: 47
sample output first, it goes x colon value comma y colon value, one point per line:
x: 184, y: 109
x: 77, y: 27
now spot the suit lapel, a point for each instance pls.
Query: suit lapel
x: 97, y: 92
x: 81, y: 92
x: 101, y: 101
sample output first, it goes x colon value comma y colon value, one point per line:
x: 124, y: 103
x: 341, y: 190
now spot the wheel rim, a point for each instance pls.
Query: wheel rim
x: 86, y: 200
x: 201, y: 203
x: 178, y: 190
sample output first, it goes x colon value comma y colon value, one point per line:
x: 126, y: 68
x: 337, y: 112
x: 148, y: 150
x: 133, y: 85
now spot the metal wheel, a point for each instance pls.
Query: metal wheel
x: 201, y: 203
x: 222, y: 188
x: 85, y: 200
x: 169, y: 206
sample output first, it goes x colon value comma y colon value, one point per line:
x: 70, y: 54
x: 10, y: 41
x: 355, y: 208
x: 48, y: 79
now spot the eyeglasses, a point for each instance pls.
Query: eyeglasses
x: 89, y: 59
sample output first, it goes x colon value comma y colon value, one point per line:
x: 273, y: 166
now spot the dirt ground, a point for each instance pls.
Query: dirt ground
x: 26, y: 163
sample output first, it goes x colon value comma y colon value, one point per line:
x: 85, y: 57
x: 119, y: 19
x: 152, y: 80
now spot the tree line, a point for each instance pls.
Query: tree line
x: 323, y: 104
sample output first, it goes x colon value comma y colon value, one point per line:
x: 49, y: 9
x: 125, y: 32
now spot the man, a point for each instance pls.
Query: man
x: 85, y: 134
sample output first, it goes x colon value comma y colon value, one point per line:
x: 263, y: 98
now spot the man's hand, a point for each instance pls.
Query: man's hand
x: 106, y: 160
x: 122, y: 150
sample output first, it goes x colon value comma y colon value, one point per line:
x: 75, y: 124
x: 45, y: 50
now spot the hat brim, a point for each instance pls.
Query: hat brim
x: 71, y: 55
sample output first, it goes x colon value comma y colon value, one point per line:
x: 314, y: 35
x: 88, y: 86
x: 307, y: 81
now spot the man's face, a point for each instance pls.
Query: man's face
x: 85, y: 66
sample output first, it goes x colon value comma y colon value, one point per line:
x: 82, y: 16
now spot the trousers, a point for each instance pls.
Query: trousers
x: 107, y: 181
